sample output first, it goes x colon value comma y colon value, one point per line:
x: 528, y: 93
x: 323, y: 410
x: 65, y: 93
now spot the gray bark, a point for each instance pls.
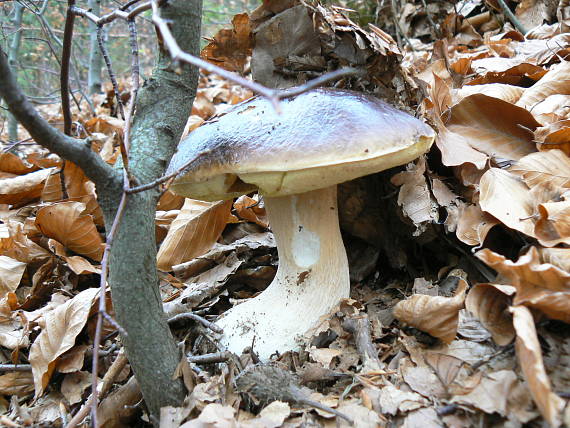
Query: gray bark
x: 95, y: 57
x: 12, y: 60
x: 164, y: 104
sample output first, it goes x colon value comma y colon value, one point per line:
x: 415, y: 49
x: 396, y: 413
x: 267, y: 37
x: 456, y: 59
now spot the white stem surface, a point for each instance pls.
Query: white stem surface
x: 311, y: 279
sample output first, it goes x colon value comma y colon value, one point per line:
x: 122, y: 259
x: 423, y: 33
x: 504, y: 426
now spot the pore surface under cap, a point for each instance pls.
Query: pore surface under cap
x: 321, y: 138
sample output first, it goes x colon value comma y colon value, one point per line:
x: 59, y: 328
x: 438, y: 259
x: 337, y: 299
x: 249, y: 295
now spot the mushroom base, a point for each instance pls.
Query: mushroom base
x: 311, y: 279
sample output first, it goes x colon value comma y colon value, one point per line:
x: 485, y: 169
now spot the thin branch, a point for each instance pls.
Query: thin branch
x: 110, y: 71
x: 216, y: 357
x: 15, y: 367
x: 65, y: 60
x: 167, y: 177
x: 511, y: 17
x: 189, y: 315
x: 77, y: 151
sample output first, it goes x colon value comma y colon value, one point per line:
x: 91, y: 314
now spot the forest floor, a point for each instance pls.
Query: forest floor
x: 460, y: 270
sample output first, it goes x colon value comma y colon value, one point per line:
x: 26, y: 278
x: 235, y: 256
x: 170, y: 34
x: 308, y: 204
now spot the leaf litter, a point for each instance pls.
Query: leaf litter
x: 459, y: 319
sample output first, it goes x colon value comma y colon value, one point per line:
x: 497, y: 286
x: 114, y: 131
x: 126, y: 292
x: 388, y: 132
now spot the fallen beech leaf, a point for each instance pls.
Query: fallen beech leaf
x: 15, y: 243
x: 551, y: 166
x: 11, y: 272
x: 553, y: 226
x: 490, y: 304
x: 530, y: 358
x: 556, y: 81
x: 61, y: 327
x: 414, y: 196
x: 474, y: 225
x: 539, y: 285
x: 80, y: 266
x: 9, y: 162
x: 249, y: 209
x: 23, y: 188
x: 507, y: 198
x: 194, y: 231
x: 436, y: 315
x: 492, y: 126
x: 67, y: 223
x: 508, y: 93
x: 74, y: 385
x: 16, y: 383
x: 559, y: 257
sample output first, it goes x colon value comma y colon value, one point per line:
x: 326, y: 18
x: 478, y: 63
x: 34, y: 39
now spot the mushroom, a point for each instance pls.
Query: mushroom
x: 295, y: 158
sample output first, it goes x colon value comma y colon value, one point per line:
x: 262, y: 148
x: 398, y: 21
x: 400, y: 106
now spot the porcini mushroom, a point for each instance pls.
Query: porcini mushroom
x: 295, y: 159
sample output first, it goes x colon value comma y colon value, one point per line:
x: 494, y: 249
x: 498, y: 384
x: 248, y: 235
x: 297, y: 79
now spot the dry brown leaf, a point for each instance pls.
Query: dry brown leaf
x: 67, y: 223
x: 248, y: 209
x: 530, y: 358
x: 474, y: 225
x: 16, y: 383
x: 414, y: 196
x: 507, y: 198
x: 196, y: 228
x: 74, y: 385
x: 80, y: 266
x: 23, y: 188
x: 61, y: 327
x: 490, y: 304
x: 553, y: 226
x: 554, y: 136
x: 508, y: 93
x: 559, y: 257
x: 9, y: 162
x: 435, y: 315
x: 556, y: 81
x: 551, y: 166
x: 15, y: 243
x: 11, y: 272
x: 230, y: 49
x: 493, y: 126
x: 539, y: 285
x: 170, y: 201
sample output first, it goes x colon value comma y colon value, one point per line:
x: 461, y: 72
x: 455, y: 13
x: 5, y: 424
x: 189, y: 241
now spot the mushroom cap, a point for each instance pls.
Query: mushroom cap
x: 320, y: 138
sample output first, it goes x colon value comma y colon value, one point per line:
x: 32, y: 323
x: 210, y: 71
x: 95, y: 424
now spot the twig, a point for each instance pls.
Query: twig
x: 102, y: 303
x: 167, y: 177
x: 15, y: 367
x: 65, y: 60
x: 216, y: 357
x: 360, y: 328
x: 314, y: 83
x: 511, y: 17
x: 189, y: 315
x: 110, y: 71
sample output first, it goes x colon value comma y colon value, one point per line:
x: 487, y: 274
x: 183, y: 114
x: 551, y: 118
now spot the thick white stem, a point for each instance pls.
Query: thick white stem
x: 311, y: 279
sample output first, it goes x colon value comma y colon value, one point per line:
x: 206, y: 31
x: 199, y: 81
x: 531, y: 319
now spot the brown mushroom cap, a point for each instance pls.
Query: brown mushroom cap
x: 321, y: 138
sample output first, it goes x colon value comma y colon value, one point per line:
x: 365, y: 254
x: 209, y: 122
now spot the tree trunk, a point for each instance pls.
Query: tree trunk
x: 95, y: 57
x: 12, y: 60
x: 163, y: 106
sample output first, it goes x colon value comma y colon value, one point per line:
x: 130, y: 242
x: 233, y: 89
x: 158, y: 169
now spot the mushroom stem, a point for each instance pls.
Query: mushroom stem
x: 311, y: 279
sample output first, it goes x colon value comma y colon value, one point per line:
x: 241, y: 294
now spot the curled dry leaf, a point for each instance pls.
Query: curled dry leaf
x: 508, y: 93
x: 556, y: 81
x: 249, y: 209
x: 490, y: 304
x: 11, y: 272
x: 9, y: 162
x: 23, y: 188
x: 559, y: 257
x: 436, y: 315
x: 67, y: 223
x: 15, y: 243
x: 194, y: 231
x: 551, y: 166
x: 507, y: 198
x: 492, y: 126
x: 553, y: 226
x: 554, y: 136
x: 539, y: 285
x: 530, y: 358
x: 16, y: 383
x: 474, y: 225
x: 61, y: 327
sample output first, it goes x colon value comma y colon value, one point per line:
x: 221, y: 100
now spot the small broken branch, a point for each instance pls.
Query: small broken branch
x: 360, y: 328
x: 216, y: 357
x: 197, y: 318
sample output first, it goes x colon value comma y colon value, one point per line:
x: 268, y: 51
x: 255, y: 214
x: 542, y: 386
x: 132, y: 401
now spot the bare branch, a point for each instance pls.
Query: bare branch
x: 109, y: 66
x: 65, y: 60
x: 77, y: 151
x: 197, y: 318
